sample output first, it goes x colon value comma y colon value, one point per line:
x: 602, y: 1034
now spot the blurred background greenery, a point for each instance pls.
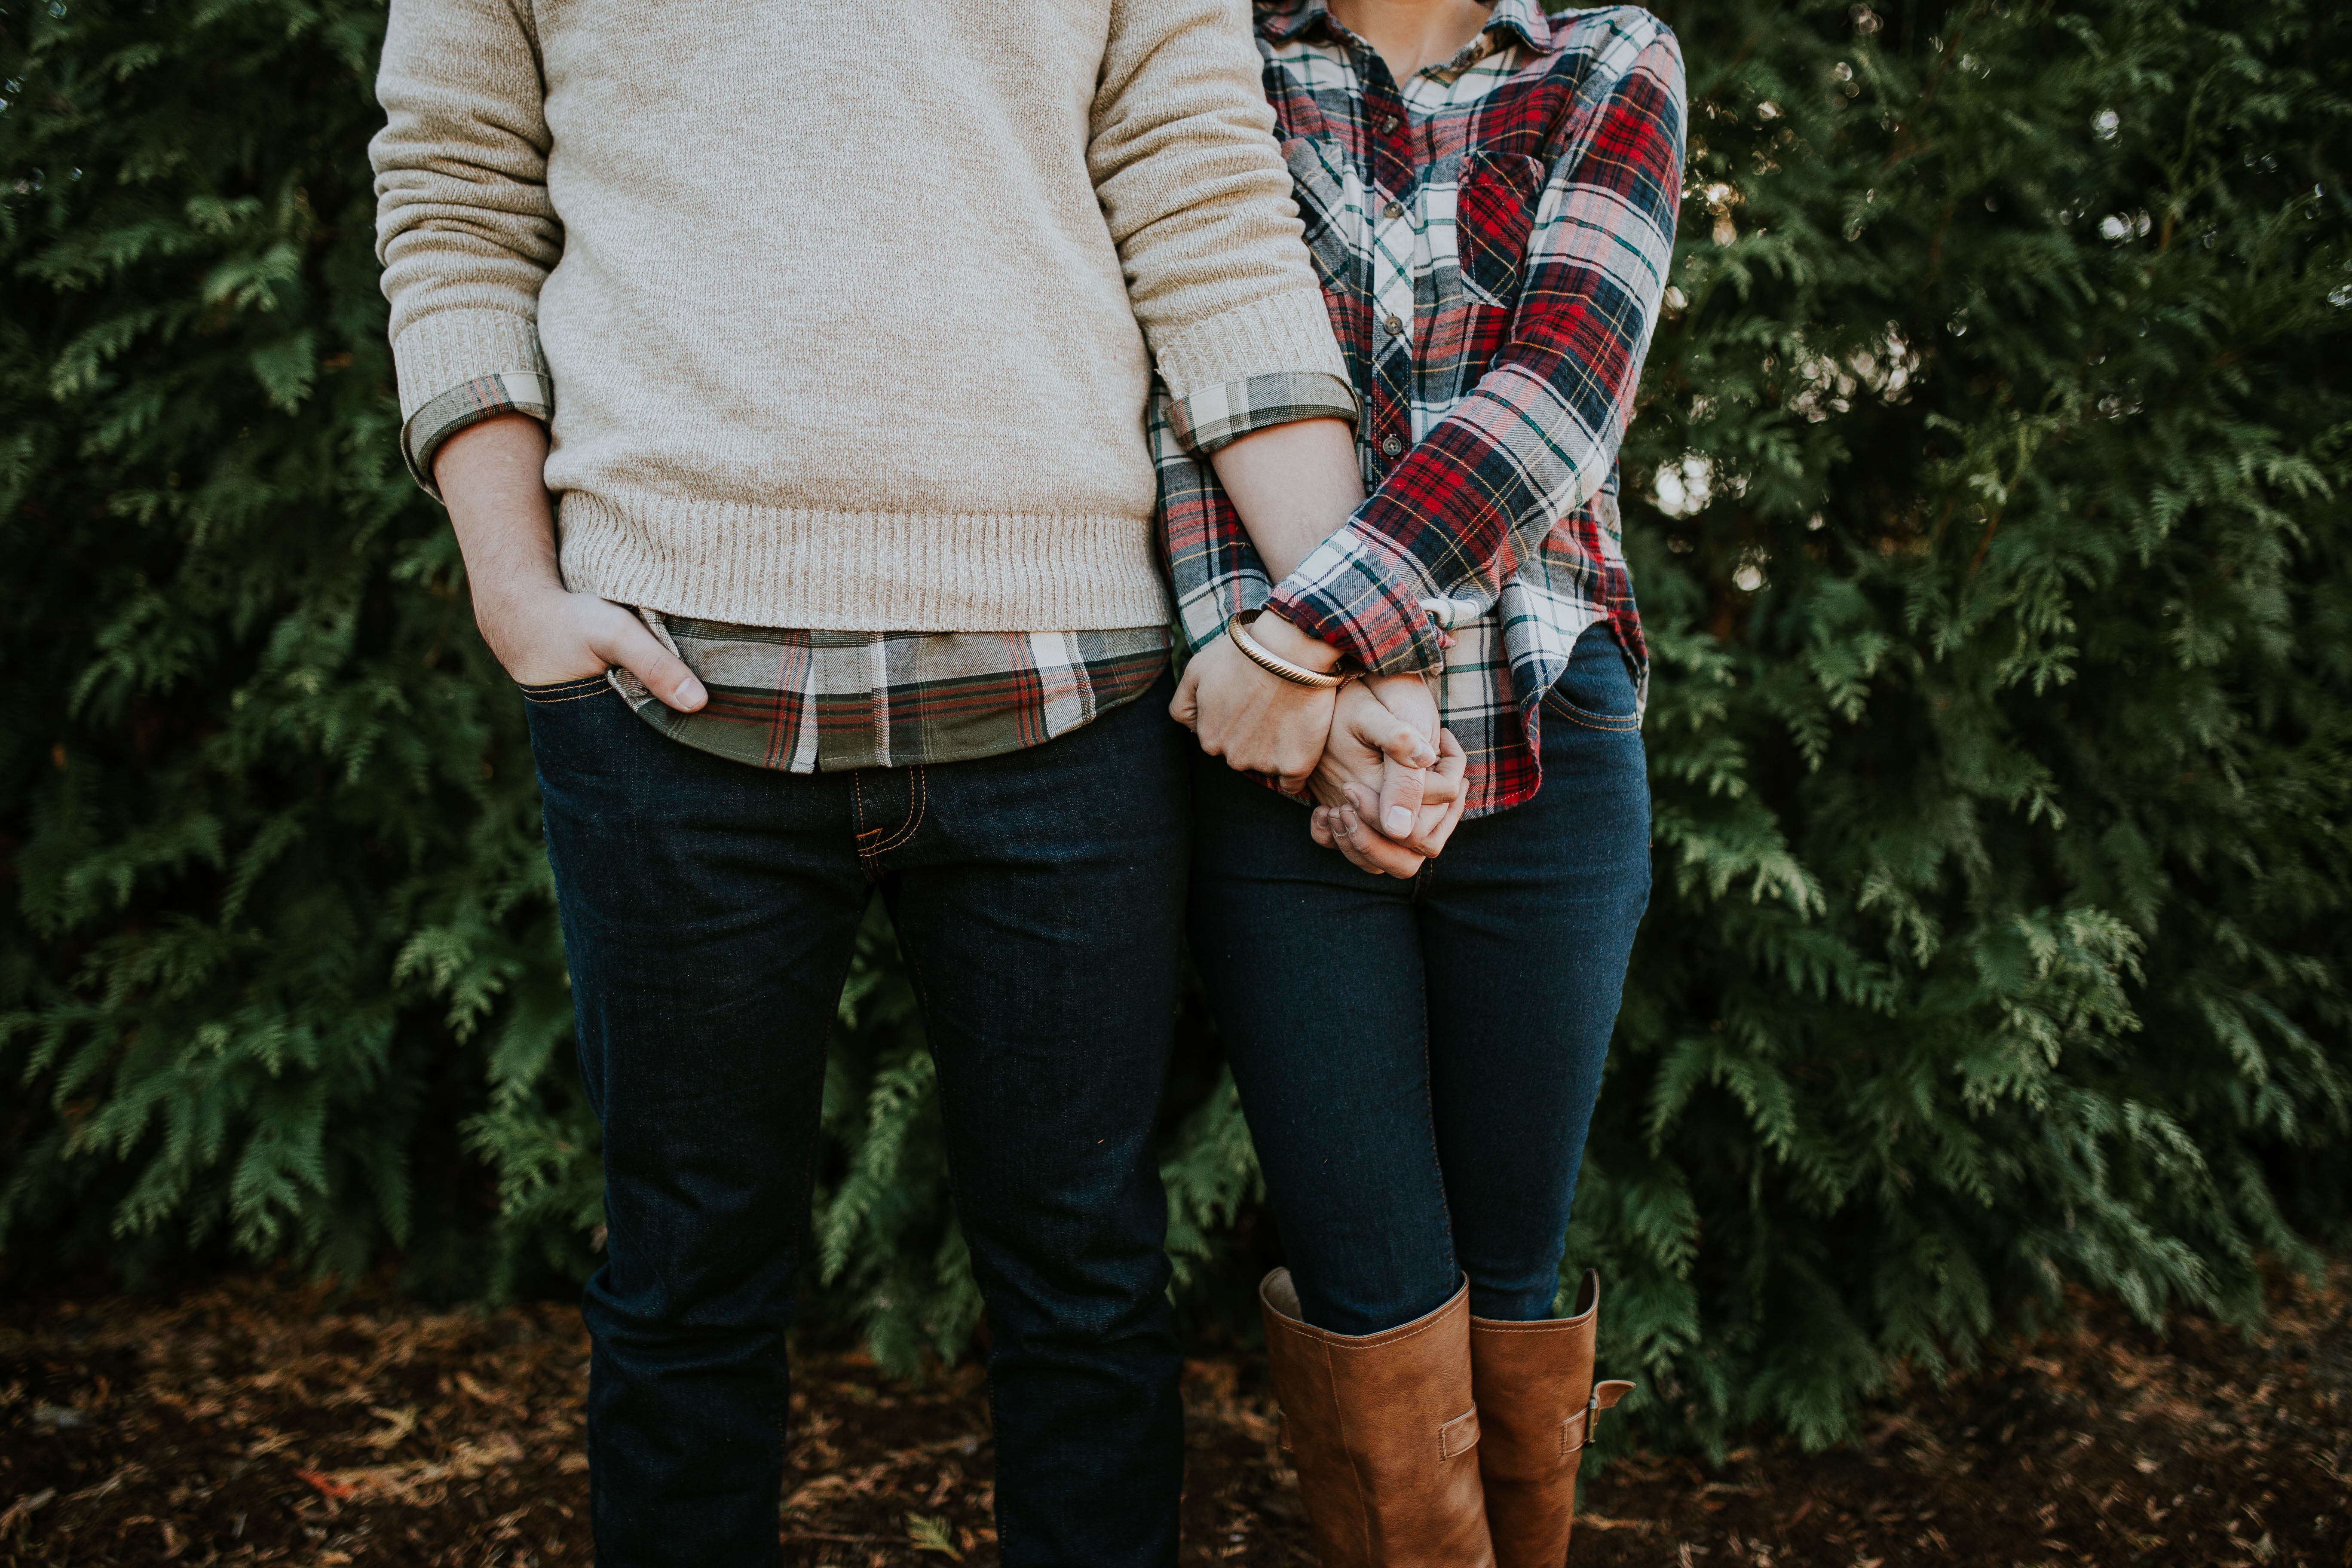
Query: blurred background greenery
x: 1986, y: 512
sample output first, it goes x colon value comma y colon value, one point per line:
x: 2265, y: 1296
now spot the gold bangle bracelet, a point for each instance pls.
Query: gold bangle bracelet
x: 1237, y: 628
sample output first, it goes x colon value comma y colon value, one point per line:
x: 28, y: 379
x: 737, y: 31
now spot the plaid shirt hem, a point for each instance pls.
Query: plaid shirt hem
x: 468, y: 404
x: 807, y: 700
x: 816, y: 702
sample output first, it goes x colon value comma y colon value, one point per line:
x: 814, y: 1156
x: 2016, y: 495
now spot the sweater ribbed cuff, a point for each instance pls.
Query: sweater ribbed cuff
x: 446, y: 349
x: 1287, y: 334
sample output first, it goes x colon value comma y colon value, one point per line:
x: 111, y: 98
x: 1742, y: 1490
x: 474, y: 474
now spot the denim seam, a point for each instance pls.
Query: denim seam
x: 549, y: 688
x: 918, y: 802
x: 915, y: 983
x: 917, y: 808
x: 1437, y: 1155
x: 556, y: 701
x: 857, y: 800
x: 1575, y: 715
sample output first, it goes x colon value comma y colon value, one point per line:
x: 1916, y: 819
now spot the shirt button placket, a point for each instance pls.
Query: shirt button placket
x: 1389, y: 153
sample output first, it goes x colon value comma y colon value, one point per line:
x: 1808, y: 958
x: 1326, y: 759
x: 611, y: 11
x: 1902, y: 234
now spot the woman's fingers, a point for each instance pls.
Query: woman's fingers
x: 1186, y: 706
x: 1410, y: 699
x: 1325, y: 828
x: 1432, y: 828
x: 1437, y: 824
x: 1397, y: 749
x: 1371, y: 851
x: 1400, y: 798
x: 1394, y: 737
x: 1343, y: 839
x: 1437, y: 787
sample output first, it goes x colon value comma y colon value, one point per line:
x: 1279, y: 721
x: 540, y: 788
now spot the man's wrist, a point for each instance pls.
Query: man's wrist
x: 1283, y: 640
x: 513, y: 602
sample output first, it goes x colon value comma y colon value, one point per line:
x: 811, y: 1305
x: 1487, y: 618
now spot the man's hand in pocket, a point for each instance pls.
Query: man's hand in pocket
x: 493, y: 478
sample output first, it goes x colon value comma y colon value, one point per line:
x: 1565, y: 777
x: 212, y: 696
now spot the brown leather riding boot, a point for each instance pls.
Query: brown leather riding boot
x: 1383, y: 1434
x: 1536, y: 1407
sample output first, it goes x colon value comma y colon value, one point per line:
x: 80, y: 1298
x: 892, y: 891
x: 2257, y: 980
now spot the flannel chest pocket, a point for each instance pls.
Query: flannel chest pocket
x: 1494, y: 212
x: 1330, y: 202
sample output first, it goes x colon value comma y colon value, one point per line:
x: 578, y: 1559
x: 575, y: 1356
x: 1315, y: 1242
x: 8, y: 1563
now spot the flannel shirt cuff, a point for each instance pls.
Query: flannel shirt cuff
x: 1369, y: 600
x: 1220, y: 414
x: 1201, y: 615
x: 468, y: 404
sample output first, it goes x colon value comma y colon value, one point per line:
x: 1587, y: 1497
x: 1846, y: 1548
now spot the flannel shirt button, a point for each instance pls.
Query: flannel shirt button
x: 1388, y: 124
x: 1394, y: 210
x: 1391, y: 446
x: 1395, y: 327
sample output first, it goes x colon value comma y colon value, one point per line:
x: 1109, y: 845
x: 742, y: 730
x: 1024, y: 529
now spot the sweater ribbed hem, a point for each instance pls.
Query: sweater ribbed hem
x: 1287, y: 334
x: 828, y: 570
x: 450, y: 348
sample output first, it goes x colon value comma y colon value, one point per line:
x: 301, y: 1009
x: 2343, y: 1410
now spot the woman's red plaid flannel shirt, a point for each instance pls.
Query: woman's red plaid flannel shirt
x: 1493, y: 241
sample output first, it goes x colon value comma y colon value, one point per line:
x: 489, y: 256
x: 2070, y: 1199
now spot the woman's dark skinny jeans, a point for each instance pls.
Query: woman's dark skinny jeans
x: 1419, y: 1059
x: 710, y: 908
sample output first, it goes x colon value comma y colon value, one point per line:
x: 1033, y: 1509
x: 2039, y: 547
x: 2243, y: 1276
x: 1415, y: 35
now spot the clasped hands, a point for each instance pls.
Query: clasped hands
x: 1385, y: 778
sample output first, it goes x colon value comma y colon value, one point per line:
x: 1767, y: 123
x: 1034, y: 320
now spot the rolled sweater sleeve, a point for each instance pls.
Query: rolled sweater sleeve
x: 1182, y: 157
x: 1537, y: 437
x: 464, y: 224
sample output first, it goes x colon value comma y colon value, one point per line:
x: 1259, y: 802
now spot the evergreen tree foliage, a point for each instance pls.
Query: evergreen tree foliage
x: 1984, y: 510
x: 1999, y: 745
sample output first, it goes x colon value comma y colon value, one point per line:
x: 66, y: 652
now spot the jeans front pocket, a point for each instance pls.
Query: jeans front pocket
x: 1597, y: 688
x: 566, y: 690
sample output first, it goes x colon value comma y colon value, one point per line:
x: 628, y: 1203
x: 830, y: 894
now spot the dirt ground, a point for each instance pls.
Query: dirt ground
x: 255, y: 1424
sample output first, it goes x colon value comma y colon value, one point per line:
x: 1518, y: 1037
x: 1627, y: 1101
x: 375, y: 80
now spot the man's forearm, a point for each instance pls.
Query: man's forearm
x: 493, y: 478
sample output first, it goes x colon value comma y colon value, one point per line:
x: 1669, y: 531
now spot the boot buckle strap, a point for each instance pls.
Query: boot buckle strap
x: 1577, y: 1430
x: 1459, y: 1436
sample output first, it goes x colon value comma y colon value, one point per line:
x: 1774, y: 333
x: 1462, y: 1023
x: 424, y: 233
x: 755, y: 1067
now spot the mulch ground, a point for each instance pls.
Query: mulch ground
x: 253, y: 1423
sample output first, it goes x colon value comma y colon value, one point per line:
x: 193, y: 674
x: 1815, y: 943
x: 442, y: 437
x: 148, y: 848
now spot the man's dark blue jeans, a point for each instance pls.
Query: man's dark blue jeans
x: 709, y: 909
x: 1419, y: 1059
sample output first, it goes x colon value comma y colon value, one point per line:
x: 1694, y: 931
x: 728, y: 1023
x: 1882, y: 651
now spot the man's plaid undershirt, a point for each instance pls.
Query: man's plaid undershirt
x: 807, y: 700
x: 1493, y: 241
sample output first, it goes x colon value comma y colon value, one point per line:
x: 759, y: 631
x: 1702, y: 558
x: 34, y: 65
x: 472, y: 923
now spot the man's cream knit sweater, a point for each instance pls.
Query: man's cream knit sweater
x: 840, y: 305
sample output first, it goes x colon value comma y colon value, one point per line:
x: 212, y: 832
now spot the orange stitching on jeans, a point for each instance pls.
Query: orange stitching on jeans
x: 1576, y: 715
x: 554, y: 685
x: 921, y: 804
x: 575, y: 696
x: 857, y: 798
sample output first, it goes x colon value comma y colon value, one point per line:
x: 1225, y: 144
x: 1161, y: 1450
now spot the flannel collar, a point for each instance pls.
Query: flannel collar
x: 1283, y: 20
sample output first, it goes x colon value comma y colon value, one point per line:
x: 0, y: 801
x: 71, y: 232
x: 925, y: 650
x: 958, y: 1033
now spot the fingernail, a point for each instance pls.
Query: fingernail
x: 691, y: 695
x: 1400, y: 822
